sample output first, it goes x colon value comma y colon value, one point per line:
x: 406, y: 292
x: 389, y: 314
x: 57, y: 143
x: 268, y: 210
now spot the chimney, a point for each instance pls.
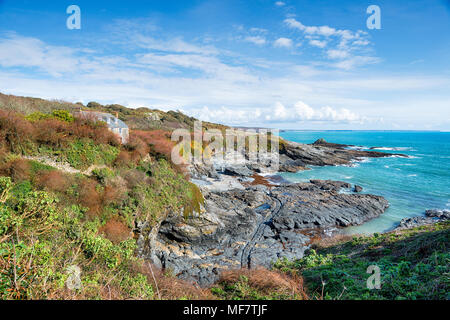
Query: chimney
x: 117, y: 117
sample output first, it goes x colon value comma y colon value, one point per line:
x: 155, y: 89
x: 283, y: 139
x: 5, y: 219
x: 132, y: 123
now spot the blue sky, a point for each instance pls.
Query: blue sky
x: 307, y: 64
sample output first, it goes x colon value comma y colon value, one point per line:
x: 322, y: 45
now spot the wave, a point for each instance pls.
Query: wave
x: 357, y: 148
x: 361, y: 160
x: 352, y: 164
x: 403, y: 157
x: 394, y: 148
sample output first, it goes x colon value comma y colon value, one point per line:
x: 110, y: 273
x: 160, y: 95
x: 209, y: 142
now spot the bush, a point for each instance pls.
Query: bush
x: 102, y: 174
x: 22, y: 136
x: 158, y: 140
x: 36, y: 116
x: 15, y: 132
x: 81, y: 154
x: 115, y: 230
x: 123, y: 159
x: 53, y: 181
x: 259, y: 284
x: 63, y: 115
x: 89, y: 197
x: 18, y: 169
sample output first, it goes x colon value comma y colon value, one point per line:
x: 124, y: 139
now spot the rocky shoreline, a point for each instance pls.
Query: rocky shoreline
x: 245, y: 223
x: 431, y: 216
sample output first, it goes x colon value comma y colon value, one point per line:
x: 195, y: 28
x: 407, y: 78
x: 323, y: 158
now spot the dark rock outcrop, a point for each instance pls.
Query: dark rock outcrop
x: 255, y: 227
x: 431, y: 216
x: 322, y: 153
x: 242, y: 171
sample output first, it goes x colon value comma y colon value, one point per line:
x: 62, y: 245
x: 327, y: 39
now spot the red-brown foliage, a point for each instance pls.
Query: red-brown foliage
x: 135, y: 178
x: 137, y: 147
x: 55, y: 132
x: 157, y: 143
x: 266, y: 281
x: 89, y: 197
x: 17, y: 169
x: 115, y: 191
x: 123, y: 159
x: 54, y: 181
x: 115, y: 230
x: 95, y: 198
x: 170, y: 287
x: 14, y: 130
x: 158, y: 140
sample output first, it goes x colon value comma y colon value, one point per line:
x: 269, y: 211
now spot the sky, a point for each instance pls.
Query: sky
x: 291, y: 64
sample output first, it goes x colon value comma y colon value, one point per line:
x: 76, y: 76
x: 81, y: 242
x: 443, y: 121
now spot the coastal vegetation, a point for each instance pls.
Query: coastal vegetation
x: 72, y: 199
x: 414, y: 264
x: 53, y: 219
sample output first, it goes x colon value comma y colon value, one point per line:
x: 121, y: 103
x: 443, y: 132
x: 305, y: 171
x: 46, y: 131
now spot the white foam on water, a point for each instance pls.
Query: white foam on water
x: 395, y: 149
x: 357, y: 148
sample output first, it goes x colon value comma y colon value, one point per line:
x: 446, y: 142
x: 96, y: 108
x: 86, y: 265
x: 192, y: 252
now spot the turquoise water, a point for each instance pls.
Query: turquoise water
x: 411, y: 185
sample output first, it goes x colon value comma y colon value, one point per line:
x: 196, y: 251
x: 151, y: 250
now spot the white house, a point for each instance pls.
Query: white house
x: 114, y: 123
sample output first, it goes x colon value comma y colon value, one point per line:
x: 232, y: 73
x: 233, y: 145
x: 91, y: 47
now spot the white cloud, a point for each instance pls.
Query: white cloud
x: 280, y: 3
x: 357, y: 37
x: 303, y: 112
x: 256, y: 40
x: 283, y: 42
x: 356, y: 61
x: 312, y: 30
x: 17, y: 51
x: 337, y: 54
x: 345, y: 44
x: 227, y: 115
x: 236, y: 88
x: 362, y: 42
x: 177, y: 45
x: 258, y: 30
x: 318, y: 43
x: 279, y: 113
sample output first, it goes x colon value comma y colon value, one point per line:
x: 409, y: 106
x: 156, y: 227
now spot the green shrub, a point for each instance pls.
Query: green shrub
x: 37, y: 116
x: 82, y: 154
x: 102, y: 174
x: 63, y: 115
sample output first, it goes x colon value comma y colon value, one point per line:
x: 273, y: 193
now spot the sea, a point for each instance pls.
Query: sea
x: 411, y: 185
